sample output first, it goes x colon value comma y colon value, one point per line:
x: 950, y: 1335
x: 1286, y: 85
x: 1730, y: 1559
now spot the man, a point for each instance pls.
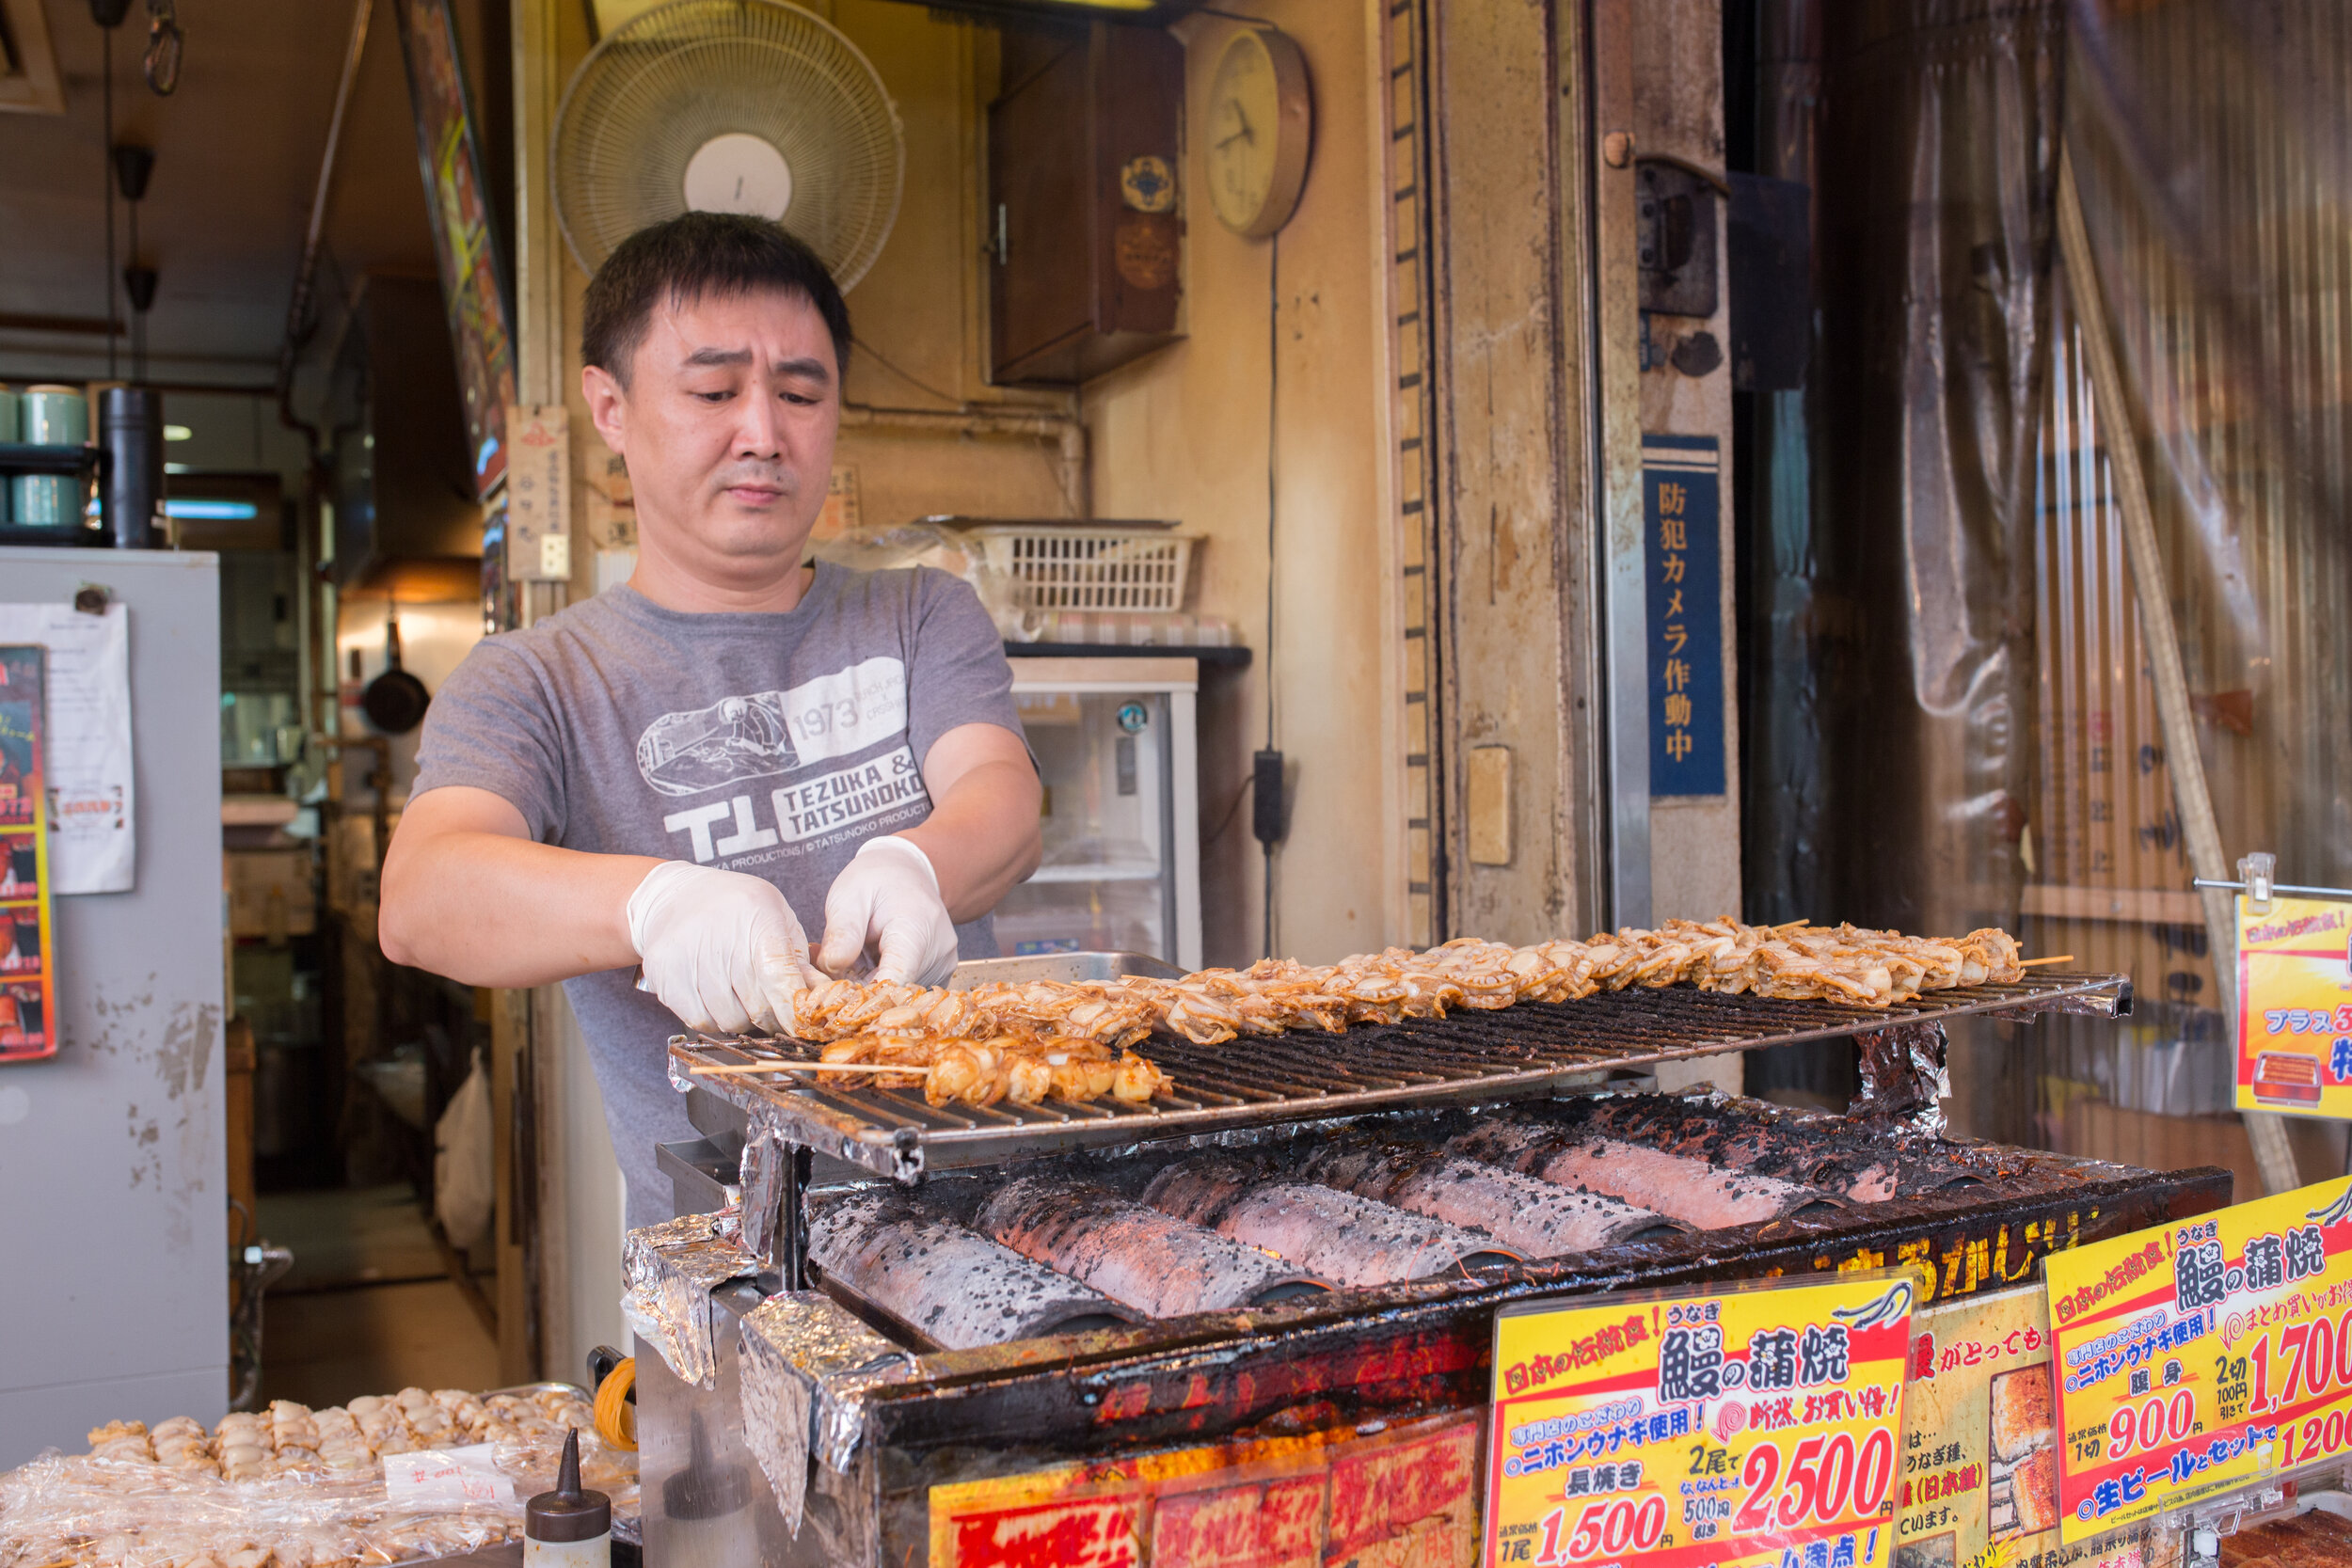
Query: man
x: 681, y: 776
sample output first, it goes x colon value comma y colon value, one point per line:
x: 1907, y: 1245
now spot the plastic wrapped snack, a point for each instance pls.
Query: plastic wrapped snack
x: 292, y: 1487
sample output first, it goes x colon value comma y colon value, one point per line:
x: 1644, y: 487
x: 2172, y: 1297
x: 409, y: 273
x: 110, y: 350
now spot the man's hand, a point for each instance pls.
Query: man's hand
x: 721, y: 950
x: 888, y: 897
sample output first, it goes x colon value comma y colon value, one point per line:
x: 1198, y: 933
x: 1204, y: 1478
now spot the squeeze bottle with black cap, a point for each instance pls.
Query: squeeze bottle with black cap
x: 568, y: 1528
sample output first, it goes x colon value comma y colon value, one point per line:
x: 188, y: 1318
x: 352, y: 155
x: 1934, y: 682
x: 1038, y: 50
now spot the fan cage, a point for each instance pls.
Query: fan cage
x: 659, y: 87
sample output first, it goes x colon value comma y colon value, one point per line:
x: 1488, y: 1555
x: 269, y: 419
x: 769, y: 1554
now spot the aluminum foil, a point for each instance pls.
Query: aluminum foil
x: 808, y: 1365
x: 669, y: 1271
x: 1905, y: 1078
x: 766, y: 1173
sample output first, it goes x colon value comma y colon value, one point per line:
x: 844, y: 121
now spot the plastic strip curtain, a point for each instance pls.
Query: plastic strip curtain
x: 2213, y: 145
x: 1950, y: 722
x: 1889, y: 657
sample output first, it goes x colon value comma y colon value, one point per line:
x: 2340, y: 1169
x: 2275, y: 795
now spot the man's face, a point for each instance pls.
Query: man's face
x: 727, y: 424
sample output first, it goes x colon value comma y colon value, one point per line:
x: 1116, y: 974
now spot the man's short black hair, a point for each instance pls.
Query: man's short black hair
x: 693, y: 255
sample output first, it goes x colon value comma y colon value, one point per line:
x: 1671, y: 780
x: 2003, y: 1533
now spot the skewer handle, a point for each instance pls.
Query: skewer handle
x: 2037, y: 963
x: 719, y: 1070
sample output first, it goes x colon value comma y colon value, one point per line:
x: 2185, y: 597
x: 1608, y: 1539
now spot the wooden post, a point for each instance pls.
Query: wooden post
x: 2198, y: 825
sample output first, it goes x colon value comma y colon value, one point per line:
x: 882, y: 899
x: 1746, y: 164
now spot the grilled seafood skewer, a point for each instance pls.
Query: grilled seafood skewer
x: 1797, y: 960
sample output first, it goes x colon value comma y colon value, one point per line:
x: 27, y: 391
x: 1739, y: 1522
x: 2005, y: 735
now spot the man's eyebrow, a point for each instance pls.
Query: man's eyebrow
x: 808, y: 367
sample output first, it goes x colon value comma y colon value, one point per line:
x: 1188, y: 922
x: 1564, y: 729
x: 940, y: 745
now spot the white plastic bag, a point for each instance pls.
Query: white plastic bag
x: 463, y: 1181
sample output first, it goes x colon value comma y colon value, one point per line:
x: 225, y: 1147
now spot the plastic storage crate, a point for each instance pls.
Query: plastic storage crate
x: 1079, y: 568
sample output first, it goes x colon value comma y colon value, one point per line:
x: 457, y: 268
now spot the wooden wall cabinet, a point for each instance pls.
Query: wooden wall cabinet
x: 1082, y: 147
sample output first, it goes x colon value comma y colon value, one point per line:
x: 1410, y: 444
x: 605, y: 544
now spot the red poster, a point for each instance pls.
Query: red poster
x: 29, y: 1004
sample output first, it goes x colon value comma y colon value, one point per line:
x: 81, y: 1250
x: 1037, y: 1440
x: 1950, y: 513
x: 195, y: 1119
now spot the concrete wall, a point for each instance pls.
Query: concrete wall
x: 1515, y: 534
x: 1191, y: 431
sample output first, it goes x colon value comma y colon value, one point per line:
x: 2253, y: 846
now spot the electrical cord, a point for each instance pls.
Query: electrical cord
x: 1273, y: 391
x: 1231, y: 810
x: 906, y: 375
x: 106, y: 160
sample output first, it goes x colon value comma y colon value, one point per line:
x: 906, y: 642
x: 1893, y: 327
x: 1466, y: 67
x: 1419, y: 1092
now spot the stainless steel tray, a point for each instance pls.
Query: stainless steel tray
x: 1072, y: 967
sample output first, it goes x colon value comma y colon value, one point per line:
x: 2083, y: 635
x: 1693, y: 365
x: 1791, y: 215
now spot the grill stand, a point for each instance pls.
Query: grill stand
x: 1902, y: 1061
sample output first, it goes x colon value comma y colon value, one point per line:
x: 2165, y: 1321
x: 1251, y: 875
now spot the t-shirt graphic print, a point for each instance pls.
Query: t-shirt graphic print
x: 792, y: 735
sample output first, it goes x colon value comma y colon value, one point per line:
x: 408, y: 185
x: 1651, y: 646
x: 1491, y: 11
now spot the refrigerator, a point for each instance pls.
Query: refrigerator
x: 1117, y: 749
x: 112, y: 1158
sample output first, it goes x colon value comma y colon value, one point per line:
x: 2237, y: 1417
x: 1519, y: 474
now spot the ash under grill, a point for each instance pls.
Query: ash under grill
x: 1530, y: 1048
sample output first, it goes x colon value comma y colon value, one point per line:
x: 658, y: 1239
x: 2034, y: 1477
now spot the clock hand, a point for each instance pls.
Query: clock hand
x: 1245, y: 134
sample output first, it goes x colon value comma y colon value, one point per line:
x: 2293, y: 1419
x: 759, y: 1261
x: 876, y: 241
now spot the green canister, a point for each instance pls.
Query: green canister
x: 8, y: 433
x: 52, y: 416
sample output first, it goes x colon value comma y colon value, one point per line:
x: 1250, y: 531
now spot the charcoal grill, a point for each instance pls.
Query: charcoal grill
x: 1533, y: 1047
x: 1352, y: 1360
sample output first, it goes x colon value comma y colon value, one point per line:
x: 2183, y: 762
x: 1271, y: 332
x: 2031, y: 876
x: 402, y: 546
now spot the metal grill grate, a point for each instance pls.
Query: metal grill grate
x: 1530, y: 1048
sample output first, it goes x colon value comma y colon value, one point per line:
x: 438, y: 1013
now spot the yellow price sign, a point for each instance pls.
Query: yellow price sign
x: 2295, y: 1007
x: 2202, y: 1356
x: 1754, y: 1425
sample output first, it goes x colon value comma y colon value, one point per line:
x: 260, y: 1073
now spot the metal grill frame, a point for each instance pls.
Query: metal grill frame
x: 1530, y: 1048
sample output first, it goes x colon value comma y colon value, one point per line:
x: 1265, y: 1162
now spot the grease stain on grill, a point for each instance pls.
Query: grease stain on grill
x: 1151, y: 1260
x: 947, y: 1281
x: 1345, y: 1238
x: 1537, y: 1218
x: 1706, y: 1196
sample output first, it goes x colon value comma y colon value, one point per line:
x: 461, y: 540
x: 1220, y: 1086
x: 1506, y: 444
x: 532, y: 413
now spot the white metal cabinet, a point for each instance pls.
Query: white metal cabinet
x: 114, y: 1243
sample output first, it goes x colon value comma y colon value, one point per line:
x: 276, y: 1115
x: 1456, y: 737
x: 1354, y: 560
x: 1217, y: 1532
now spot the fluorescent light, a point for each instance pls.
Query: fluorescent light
x: 177, y: 433
x: 178, y: 468
x: 213, y: 512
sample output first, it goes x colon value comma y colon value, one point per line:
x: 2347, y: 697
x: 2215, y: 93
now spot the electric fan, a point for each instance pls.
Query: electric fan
x: 734, y: 106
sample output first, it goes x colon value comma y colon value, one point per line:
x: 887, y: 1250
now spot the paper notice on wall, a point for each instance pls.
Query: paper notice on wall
x: 93, y: 842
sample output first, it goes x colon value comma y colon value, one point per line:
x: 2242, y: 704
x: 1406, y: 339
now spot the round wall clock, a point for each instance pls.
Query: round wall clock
x: 1261, y: 122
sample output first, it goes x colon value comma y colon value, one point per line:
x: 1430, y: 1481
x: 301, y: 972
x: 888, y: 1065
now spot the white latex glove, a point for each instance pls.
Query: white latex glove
x: 888, y: 897
x: 719, y: 949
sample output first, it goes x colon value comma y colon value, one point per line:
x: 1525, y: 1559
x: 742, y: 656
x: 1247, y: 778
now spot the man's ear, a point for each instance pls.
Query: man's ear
x: 608, y: 406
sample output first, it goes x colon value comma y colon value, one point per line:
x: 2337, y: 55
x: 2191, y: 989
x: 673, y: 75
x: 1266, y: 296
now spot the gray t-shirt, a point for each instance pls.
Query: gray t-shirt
x: 771, y: 744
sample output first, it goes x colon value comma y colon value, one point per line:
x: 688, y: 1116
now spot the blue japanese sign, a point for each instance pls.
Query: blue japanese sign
x: 1682, y: 566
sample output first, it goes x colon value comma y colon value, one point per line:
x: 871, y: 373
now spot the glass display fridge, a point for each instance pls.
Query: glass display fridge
x: 1117, y: 748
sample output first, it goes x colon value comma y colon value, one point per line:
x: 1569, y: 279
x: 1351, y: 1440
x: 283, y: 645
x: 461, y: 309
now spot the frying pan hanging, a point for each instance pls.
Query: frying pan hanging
x: 394, y: 702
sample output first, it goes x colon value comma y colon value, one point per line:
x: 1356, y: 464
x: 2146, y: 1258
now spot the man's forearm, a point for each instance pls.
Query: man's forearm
x: 982, y: 836
x: 488, y: 910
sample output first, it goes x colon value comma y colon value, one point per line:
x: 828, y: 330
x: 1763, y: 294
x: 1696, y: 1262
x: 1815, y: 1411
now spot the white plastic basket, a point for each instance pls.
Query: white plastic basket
x: 1082, y: 569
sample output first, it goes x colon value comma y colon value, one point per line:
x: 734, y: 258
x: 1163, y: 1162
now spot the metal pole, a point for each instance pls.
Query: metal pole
x: 1616, y: 459
x: 298, y: 302
x: 2267, y: 1131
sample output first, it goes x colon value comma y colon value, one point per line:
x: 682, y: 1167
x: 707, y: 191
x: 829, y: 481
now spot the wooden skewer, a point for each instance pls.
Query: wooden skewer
x: 2035, y: 963
x: 715, y: 1069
